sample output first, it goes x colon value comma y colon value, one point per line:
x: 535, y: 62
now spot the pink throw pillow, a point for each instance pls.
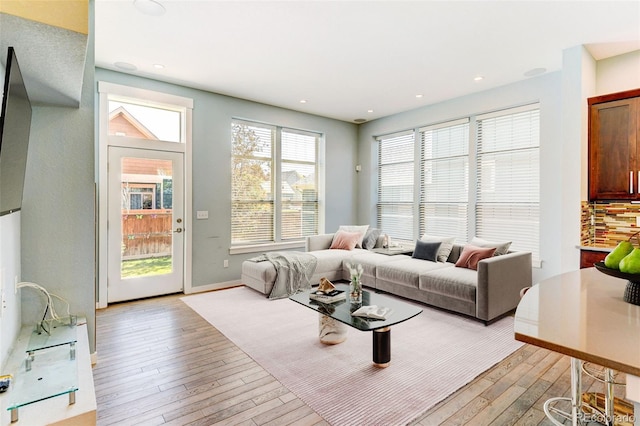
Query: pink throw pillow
x: 471, y: 255
x: 344, y: 240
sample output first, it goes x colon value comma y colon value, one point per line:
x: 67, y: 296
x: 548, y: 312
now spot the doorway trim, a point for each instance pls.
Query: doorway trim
x: 105, y: 89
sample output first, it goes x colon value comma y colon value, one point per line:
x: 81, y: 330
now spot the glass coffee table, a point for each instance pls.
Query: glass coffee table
x: 333, y: 315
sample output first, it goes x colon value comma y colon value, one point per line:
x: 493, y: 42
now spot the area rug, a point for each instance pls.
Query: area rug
x: 432, y: 355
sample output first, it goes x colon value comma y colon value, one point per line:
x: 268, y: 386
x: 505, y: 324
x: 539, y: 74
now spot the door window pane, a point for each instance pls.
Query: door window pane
x: 147, y: 212
x: 144, y: 122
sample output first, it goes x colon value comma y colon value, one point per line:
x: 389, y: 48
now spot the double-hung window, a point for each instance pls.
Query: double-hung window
x: 444, y: 178
x: 396, y: 185
x: 508, y: 184
x: 274, y: 187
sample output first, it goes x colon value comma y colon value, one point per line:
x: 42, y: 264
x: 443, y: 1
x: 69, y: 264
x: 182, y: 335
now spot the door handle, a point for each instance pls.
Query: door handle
x: 179, y: 230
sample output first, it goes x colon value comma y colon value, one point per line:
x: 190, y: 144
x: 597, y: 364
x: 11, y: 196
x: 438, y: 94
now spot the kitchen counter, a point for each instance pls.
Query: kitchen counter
x: 582, y: 314
x: 594, y: 248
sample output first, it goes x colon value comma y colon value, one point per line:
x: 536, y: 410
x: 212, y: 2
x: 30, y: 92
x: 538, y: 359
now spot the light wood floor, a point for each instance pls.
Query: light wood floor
x: 160, y: 363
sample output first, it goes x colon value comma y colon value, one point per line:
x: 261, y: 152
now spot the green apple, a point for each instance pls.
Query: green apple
x: 620, y: 252
x: 630, y: 264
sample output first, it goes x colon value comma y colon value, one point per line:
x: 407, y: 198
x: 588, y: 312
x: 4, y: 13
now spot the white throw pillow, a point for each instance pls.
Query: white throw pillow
x: 361, y: 229
x: 501, y: 248
x: 445, y: 247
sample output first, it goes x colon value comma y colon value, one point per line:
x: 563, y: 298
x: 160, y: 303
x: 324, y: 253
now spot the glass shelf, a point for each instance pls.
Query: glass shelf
x: 61, y: 332
x: 53, y: 373
x: 49, y: 368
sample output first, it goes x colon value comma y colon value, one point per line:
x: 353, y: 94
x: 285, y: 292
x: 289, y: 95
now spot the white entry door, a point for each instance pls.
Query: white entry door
x: 146, y: 223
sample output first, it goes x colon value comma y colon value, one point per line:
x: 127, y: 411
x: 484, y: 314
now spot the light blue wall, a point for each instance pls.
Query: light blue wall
x: 212, y: 114
x: 58, y: 238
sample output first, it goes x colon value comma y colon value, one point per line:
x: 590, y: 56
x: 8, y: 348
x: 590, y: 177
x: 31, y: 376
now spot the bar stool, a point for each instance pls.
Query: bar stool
x: 581, y: 410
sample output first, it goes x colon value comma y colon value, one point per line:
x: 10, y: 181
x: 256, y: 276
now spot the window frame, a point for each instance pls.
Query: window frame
x: 523, y: 203
x: 276, y: 159
x: 397, y: 138
x: 473, y: 178
x: 444, y: 200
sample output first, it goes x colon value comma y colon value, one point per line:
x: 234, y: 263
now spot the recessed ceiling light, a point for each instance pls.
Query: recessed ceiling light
x: 534, y: 72
x: 369, y: 110
x: 303, y: 101
x: 158, y: 66
x: 418, y: 95
x: 125, y: 66
x: 149, y: 7
x: 478, y: 78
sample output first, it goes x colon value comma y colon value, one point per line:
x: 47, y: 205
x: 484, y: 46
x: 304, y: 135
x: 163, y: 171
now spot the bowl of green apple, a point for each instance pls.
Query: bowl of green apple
x: 624, y: 262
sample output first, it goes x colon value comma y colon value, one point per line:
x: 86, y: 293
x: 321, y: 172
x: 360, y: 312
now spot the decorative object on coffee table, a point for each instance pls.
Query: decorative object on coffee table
x: 331, y: 332
x: 355, y: 286
x: 326, y: 285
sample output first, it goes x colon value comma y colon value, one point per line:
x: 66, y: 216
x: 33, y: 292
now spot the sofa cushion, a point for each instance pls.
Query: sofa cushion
x: 343, y: 240
x: 408, y: 270
x: 369, y: 261
x: 330, y: 260
x: 471, y: 255
x: 426, y: 251
x: 361, y: 229
x: 501, y: 247
x: 460, y: 283
x: 445, y: 248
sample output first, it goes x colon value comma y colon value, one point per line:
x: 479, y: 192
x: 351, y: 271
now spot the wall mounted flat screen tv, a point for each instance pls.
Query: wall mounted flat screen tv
x: 15, y: 124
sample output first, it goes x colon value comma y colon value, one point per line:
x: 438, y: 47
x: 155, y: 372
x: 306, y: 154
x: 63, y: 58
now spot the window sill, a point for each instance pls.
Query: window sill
x: 255, y: 248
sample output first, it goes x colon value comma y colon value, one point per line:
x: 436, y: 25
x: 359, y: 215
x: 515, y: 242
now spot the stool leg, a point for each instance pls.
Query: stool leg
x: 576, y: 390
x: 608, y: 396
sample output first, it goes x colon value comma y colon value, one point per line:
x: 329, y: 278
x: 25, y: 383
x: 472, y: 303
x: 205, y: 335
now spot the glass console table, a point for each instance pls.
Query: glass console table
x: 49, y: 368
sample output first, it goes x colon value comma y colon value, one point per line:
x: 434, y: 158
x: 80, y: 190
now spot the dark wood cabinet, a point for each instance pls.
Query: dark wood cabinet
x: 588, y: 258
x: 614, y: 146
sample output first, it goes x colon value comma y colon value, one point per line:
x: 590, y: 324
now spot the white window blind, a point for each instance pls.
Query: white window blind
x: 274, y: 184
x: 508, y: 184
x: 252, y: 188
x: 299, y: 184
x: 444, y: 175
x: 396, y: 185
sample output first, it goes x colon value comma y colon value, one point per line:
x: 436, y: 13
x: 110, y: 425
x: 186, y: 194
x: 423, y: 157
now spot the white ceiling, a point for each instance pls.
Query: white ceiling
x: 348, y: 57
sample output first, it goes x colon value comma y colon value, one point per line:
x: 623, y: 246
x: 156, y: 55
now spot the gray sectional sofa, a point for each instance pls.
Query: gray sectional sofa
x: 486, y: 293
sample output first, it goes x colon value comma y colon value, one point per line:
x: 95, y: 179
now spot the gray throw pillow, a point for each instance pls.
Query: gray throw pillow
x: 370, y: 238
x: 445, y: 248
x: 426, y: 251
x: 501, y: 248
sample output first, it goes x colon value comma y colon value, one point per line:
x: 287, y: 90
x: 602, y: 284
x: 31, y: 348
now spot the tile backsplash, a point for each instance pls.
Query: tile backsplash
x: 606, y: 224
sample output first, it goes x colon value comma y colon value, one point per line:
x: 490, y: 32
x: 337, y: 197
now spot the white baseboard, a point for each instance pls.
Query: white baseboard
x: 210, y: 287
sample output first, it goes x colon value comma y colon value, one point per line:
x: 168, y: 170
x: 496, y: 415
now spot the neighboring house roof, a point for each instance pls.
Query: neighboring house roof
x: 121, y: 121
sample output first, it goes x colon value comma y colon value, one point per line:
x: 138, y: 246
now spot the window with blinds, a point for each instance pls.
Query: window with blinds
x: 444, y: 178
x: 508, y: 182
x: 274, y: 187
x: 299, y: 184
x: 396, y: 185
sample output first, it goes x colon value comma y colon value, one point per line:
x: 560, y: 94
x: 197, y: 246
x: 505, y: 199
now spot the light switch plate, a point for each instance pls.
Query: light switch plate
x: 202, y: 214
x: 637, y: 220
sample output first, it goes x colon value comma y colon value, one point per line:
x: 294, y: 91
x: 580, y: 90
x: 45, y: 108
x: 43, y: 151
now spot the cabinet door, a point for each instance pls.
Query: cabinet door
x: 588, y: 258
x: 614, y: 171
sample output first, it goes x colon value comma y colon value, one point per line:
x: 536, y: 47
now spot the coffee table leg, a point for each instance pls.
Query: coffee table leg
x: 331, y: 331
x: 382, y: 347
